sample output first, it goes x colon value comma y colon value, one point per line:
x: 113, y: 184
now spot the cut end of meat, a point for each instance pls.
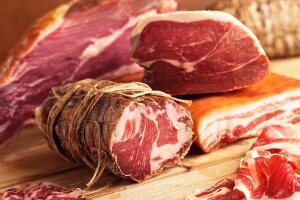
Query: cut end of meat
x: 192, y: 16
x: 127, y: 128
x: 199, y: 51
x: 150, y: 137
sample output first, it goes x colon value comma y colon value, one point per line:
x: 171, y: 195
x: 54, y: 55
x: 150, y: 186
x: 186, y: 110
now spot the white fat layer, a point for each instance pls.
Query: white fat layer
x: 124, y: 69
x: 193, y: 195
x: 4, y: 126
x: 251, y: 154
x: 100, y: 44
x: 29, y: 121
x: 290, y: 148
x: 190, y: 66
x: 192, y: 16
x: 187, y: 66
x: 213, y: 127
x: 253, y: 173
x: 36, y: 82
x: 166, y: 151
x: 74, y: 194
x: 196, y: 191
x: 241, y: 187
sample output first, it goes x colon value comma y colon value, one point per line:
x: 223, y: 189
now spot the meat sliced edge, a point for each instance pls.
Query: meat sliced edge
x: 191, y: 16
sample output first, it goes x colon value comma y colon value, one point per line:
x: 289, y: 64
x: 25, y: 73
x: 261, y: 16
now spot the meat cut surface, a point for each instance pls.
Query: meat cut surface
x: 42, y: 191
x: 270, y: 170
x: 126, y: 128
x: 82, y: 39
x: 223, y: 118
x: 192, y: 52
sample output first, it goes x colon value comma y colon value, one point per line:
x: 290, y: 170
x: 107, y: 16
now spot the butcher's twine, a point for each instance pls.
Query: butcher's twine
x: 94, y: 90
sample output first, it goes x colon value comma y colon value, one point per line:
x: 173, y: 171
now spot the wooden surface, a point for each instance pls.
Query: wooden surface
x: 30, y: 160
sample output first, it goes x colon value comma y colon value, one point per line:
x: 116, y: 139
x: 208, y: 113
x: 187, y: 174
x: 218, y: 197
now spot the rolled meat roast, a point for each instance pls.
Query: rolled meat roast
x: 129, y: 129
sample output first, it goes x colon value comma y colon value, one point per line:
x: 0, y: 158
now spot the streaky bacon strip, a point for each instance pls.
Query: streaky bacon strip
x: 270, y: 170
x: 223, y: 118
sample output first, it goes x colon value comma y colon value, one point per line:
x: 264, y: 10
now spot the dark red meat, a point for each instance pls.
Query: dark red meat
x: 42, y: 191
x: 85, y: 38
x: 197, y: 52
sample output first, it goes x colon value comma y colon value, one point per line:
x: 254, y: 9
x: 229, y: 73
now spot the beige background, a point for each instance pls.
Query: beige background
x: 17, y: 15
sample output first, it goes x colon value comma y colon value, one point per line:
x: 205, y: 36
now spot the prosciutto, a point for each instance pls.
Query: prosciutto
x: 220, y: 119
x: 43, y: 190
x: 270, y: 170
x: 192, y: 52
x: 81, y: 39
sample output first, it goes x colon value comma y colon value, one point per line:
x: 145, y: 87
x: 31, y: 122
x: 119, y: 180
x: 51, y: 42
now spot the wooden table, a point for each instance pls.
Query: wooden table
x: 29, y: 159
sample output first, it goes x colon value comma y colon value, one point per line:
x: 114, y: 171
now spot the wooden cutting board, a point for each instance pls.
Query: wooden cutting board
x: 29, y: 159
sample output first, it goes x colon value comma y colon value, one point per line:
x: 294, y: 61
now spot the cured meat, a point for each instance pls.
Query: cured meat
x: 82, y: 39
x: 230, y: 116
x: 270, y: 170
x: 45, y: 191
x: 129, y: 129
x: 279, y: 34
x: 221, y: 188
x: 192, y: 52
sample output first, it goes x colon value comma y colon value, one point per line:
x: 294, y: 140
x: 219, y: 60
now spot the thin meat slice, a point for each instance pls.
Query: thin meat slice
x: 272, y: 165
x: 192, y: 52
x: 126, y: 128
x: 45, y: 191
x: 223, y: 118
x: 82, y: 39
x: 223, y: 190
x: 270, y: 170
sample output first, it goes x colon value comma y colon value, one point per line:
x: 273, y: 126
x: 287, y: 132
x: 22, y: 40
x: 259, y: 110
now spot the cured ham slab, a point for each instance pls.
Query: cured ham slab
x: 270, y: 170
x: 85, y: 38
x: 192, y: 52
x: 46, y: 191
x: 223, y: 118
